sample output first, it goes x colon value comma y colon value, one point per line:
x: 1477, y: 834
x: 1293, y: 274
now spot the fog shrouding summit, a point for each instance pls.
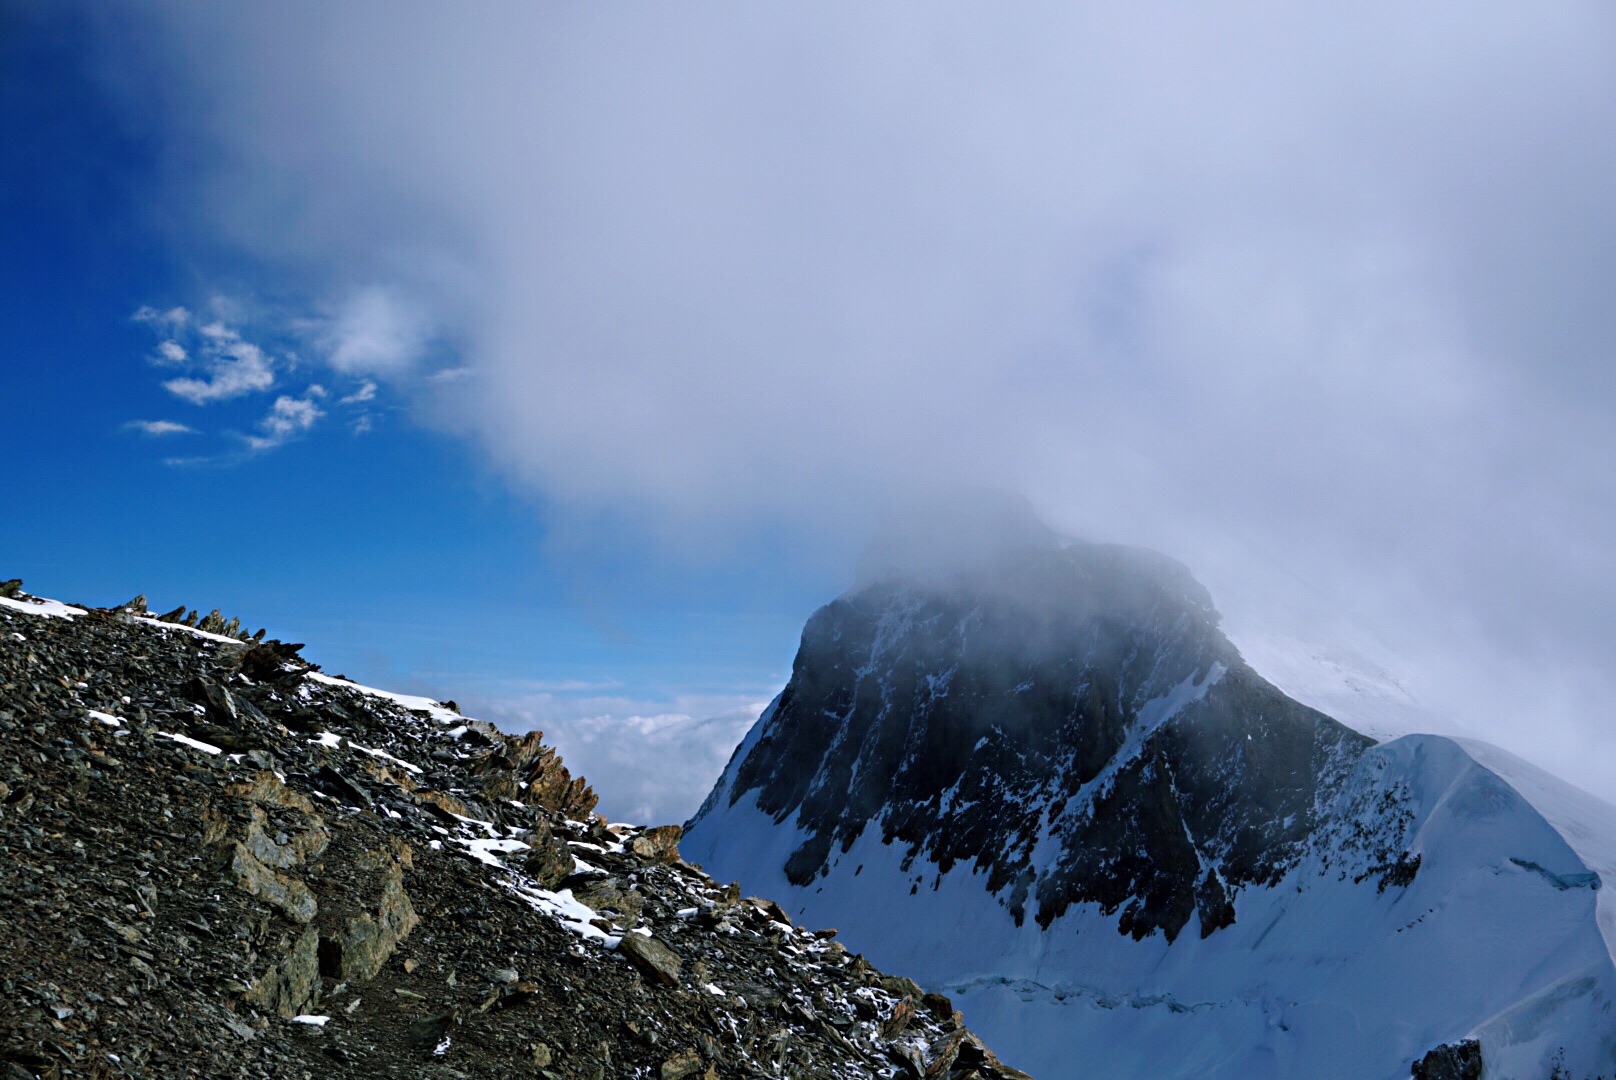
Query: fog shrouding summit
x: 954, y: 531
x: 1317, y: 302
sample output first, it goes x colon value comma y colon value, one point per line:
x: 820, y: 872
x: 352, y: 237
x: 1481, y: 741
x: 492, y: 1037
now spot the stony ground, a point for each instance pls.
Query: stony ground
x: 216, y: 861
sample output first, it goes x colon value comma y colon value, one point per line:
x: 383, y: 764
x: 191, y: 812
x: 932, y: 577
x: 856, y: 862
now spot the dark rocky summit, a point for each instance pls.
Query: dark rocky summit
x: 1066, y: 718
x: 217, y: 862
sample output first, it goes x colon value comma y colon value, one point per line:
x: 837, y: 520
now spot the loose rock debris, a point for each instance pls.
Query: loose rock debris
x: 216, y: 861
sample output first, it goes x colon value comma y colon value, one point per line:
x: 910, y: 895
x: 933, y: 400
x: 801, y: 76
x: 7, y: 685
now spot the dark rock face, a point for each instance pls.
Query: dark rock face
x: 1451, y: 1061
x: 1069, y: 720
x: 172, y: 906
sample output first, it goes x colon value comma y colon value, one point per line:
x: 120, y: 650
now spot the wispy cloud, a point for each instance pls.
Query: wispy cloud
x: 168, y: 324
x: 226, y: 365
x: 170, y: 321
x: 365, y: 393
x: 233, y: 368
x: 288, y: 418
x: 372, y: 333
x: 376, y: 332
x: 157, y: 428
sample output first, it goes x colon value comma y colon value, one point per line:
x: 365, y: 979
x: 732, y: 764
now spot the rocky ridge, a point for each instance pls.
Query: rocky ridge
x: 217, y: 861
x: 1068, y: 721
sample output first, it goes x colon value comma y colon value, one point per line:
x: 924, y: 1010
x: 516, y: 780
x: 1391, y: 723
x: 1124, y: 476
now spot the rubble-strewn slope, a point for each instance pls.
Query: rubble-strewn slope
x: 216, y: 861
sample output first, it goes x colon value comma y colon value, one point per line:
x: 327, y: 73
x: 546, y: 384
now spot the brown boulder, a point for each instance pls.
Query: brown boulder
x: 659, y: 844
x: 686, y: 1062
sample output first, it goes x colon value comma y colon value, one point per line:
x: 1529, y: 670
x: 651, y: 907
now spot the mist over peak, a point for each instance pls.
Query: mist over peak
x: 989, y: 546
x: 946, y: 531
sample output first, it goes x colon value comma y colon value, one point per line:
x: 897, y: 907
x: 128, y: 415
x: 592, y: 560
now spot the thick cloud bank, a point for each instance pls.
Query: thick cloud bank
x: 1316, y: 301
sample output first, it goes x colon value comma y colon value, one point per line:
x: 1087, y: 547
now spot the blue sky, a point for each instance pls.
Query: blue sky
x: 560, y: 359
x: 395, y: 551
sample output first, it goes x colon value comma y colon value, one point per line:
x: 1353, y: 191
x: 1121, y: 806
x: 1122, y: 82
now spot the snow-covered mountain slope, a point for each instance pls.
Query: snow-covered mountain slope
x: 1353, y: 681
x: 1052, y: 787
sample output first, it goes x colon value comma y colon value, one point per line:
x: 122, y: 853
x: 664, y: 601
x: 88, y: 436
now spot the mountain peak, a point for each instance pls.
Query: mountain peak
x: 1044, y: 700
x: 1044, y: 780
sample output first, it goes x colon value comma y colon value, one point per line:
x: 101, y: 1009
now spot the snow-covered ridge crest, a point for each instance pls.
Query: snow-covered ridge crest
x: 1586, y: 824
x: 1362, y: 691
x: 36, y: 605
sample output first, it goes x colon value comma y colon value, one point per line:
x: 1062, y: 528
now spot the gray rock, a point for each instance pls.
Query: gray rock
x: 289, y: 987
x: 290, y: 896
x: 654, y: 959
x: 427, y: 1033
x: 550, y: 861
x: 360, y: 944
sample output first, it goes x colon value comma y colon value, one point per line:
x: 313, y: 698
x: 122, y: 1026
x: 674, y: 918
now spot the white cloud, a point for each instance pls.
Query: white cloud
x: 229, y: 366
x: 650, y: 762
x: 376, y: 332
x: 288, y: 418
x: 169, y: 324
x: 171, y: 321
x: 365, y: 393
x: 160, y: 427
x: 232, y: 367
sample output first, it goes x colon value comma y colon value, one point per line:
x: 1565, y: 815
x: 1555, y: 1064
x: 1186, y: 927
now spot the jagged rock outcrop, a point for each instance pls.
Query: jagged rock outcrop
x: 216, y: 861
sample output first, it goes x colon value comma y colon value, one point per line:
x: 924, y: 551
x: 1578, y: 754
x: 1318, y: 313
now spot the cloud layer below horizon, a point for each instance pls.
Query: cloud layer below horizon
x: 1318, y: 303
